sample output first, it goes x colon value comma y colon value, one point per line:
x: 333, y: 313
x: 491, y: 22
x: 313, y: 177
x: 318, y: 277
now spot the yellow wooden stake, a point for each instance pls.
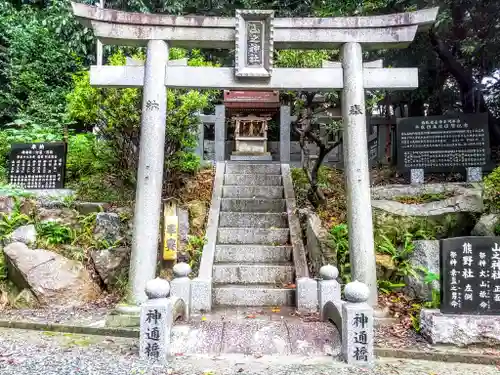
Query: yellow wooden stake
x: 170, y: 231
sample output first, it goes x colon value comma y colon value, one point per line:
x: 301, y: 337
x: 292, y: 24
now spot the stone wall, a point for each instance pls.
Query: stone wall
x: 319, y: 251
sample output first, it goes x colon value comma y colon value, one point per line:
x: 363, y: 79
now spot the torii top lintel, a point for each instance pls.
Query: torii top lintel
x: 124, y: 28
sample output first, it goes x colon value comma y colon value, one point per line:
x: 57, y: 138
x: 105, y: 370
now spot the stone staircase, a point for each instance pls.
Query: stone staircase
x: 253, y: 257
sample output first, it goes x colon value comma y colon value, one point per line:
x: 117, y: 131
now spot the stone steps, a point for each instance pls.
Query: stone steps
x: 252, y: 295
x: 240, y: 191
x: 252, y: 258
x: 253, y: 179
x: 261, y: 236
x: 253, y: 168
x: 252, y: 205
x: 252, y: 253
x: 253, y: 219
x: 234, y: 273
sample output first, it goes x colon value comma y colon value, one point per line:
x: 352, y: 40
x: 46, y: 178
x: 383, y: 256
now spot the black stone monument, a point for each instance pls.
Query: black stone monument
x: 470, y: 275
x: 38, y: 165
x: 443, y: 144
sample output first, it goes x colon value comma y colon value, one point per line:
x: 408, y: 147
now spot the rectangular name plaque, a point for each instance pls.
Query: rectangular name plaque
x: 254, y: 43
x: 470, y: 275
x: 443, y: 143
x: 38, y: 165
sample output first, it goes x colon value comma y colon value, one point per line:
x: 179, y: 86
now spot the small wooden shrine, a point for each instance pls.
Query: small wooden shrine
x: 251, y: 111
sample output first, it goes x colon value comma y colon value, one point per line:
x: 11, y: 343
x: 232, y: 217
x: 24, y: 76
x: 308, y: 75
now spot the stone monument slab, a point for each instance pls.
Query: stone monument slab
x: 470, y: 275
x: 443, y: 144
x: 38, y: 165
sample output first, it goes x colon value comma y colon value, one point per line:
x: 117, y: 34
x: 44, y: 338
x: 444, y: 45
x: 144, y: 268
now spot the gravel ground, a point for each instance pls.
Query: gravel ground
x: 42, y: 353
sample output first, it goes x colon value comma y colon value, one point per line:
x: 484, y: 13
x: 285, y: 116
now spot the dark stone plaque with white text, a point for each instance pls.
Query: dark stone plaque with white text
x: 470, y: 275
x: 38, y: 165
x: 443, y: 143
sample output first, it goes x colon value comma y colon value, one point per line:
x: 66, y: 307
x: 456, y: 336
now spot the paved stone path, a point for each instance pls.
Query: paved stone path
x: 43, y: 353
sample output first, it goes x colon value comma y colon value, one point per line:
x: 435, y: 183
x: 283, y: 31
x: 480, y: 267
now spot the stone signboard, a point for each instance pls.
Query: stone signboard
x: 38, y: 165
x: 442, y: 143
x: 470, y: 275
x: 254, y: 43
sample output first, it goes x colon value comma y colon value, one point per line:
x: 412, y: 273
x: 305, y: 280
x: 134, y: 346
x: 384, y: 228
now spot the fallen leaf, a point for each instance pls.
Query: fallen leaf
x: 250, y: 316
x: 203, y: 318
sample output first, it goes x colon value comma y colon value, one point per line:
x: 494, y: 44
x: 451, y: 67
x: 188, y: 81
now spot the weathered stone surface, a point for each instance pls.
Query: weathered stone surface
x: 460, y: 330
x: 318, y: 250
x: 307, y: 295
x: 252, y: 273
x: 357, y: 292
x: 275, y: 236
x: 252, y: 295
x: 182, y: 269
x: 111, y: 263
x: 253, y: 205
x: 328, y: 272
x: 7, y: 203
x: 25, y: 234
x: 253, y: 219
x: 86, y: 208
x: 197, y: 214
x: 426, y: 255
x: 486, y: 225
x: 183, y: 216
x: 107, y: 227
x: 385, y: 266
x: 156, y: 316
x: 252, y: 253
x: 63, y: 216
x: 458, y: 210
x: 53, y: 279
x: 157, y: 288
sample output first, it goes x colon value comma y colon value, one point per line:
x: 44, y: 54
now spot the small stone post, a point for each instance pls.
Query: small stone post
x: 150, y: 171
x: 181, y: 285
x: 156, y: 321
x: 201, y: 295
x: 307, y: 295
x: 357, y: 174
x: 357, y: 326
x: 328, y: 288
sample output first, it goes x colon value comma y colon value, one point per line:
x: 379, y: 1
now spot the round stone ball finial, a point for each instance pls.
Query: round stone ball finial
x: 328, y: 272
x: 157, y: 288
x: 182, y: 270
x: 356, y: 292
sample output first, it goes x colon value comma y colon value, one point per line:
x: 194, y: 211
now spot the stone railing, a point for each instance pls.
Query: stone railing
x: 353, y: 316
x: 201, y: 287
x: 170, y: 302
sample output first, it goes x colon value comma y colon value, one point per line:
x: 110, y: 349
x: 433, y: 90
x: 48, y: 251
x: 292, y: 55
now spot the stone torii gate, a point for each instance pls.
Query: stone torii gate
x: 254, y: 34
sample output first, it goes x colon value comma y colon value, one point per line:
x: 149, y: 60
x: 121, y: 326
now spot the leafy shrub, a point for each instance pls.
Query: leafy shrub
x: 54, y: 233
x: 116, y: 114
x: 12, y: 221
x: 492, y: 190
x: 339, y: 240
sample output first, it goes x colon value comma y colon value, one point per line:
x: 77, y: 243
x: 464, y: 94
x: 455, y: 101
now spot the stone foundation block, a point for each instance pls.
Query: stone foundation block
x: 460, y: 330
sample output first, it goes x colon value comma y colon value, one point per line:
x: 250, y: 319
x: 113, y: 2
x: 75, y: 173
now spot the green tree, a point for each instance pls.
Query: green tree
x: 116, y: 114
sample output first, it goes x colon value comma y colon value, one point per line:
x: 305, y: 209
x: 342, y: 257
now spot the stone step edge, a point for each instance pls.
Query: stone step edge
x: 254, y: 264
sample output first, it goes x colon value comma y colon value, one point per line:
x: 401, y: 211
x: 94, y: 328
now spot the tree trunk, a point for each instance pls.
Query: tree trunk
x: 467, y: 85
